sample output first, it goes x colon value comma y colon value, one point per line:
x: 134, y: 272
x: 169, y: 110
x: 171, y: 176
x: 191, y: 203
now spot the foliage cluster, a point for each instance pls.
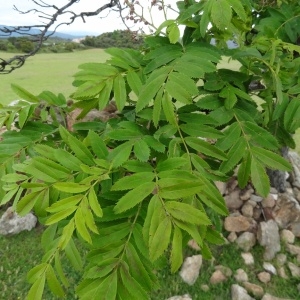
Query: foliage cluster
x: 117, y: 38
x: 25, y: 45
x: 142, y: 183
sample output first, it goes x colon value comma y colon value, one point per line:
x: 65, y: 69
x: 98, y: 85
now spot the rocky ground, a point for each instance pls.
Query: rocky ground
x: 272, y: 222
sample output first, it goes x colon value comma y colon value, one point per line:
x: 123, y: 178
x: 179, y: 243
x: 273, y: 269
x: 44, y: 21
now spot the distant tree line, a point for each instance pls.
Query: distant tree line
x: 117, y: 38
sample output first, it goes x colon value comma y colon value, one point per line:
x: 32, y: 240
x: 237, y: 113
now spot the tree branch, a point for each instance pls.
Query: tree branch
x: 9, y: 65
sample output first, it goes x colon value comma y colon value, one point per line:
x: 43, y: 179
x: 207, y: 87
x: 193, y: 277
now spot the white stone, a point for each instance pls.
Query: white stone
x: 232, y: 237
x: 287, y: 236
x: 281, y: 259
x: 246, y: 241
x: 248, y: 258
x: 295, y: 270
x: 240, y: 275
x: 264, y: 277
x: 239, y: 293
x: 270, y: 297
x: 12, y: 223
x: 184, y: 297
x: 217, y: 277
x: 269, y: 268
x: 190, y: 269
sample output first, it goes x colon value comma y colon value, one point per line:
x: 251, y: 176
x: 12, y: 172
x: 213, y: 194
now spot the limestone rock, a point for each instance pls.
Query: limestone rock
x: 225, y: 270
x: 236, y: 224
x: 256, y: 198
x: 269, y: 268
x: 246, y: 194
x: 281, y: 272
x: 232, y: 237
x: 239, y: 293
x: 246, y: 241
x: 295, y: 228
x: 295, y: 270
x: 268, y: 236
x: 287, y: 236
x: 184, y: 297
x: 204, y: 287
x: 270, y: 297
x: 190, y: 269
x: 269, y: 201
x: 281, y: 259
x: 248, y: 258
x: 233, y: 200
x: 217, y: 277
x: 287, y: 211
x: 221, y: 187
x: 247, y: 210
x: 254, y: 289
x: 193, y: 245
x: 12, y: 223
x: 240, y: 275
x: 264, y: 277
x: 295, y: 161
x: 294, y: 250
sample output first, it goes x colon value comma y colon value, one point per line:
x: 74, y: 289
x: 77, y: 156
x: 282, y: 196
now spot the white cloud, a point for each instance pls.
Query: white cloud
x: 94, y: 25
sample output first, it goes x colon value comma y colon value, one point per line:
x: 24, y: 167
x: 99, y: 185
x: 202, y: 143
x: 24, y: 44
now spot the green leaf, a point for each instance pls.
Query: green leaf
x: 64, y: 203
x: 137, y: 166
x: 104, y: 95
x: 94, y: 203
x: 80, y: 224
x: 221, y: 14
x: 23, y: 94
x: 271, y: 159
x: 121, y: 153
x: 154, y: 143
x: 13, y: 177
x: 71, y: 187
x: 173, y: 33
x: 60, y: 215
x: 260, y: 178
x: 176, y: 250
x: 171, y: 163
x: 161, y: 239
x: 120, y: 92
x: 168, y: 109
x: 230, y: 97
x: 134, y: 197
x: 59, y: 270
x: 244, y: 171
x: 201, y: 131
x: 234, y: 155
x: 133, y: 287
x: 172, y: 188
x: 74, y: 255
x: 141, y: 150
x: 237, y: 6
x: 231, y: 134
x: 67, y: 159
x: 67, y: 234
x: 80, y: 150
x: 157, y: 107
x: 205, y: 148
x: 98, y: 145
x: 134, y: 81
x: 187, y: 213
x: 133, y: 181
x: 35, y: 273
x: 88, y: 90
x: 53, y: 283
x: 37, y: 289
x: 137, y: 268
x: 152, y: 86
x: 26, y: 204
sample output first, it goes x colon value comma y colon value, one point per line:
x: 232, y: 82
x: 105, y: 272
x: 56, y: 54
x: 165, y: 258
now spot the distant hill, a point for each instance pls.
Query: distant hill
x: 61, y: 35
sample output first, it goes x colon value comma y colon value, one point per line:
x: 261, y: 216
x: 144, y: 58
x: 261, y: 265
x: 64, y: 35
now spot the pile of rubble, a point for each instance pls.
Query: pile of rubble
x: 272, y: 222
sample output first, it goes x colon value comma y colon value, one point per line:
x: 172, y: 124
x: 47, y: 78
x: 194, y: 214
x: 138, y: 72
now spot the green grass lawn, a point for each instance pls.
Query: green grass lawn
x: 22, y: 252
x: 47, y: 71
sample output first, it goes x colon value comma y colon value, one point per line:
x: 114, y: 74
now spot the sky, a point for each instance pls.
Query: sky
x: 94, y: 25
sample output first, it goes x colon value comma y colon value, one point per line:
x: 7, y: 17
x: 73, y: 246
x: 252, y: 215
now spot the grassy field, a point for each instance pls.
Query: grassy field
x: 47, y: 71
x: 20, y: 253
